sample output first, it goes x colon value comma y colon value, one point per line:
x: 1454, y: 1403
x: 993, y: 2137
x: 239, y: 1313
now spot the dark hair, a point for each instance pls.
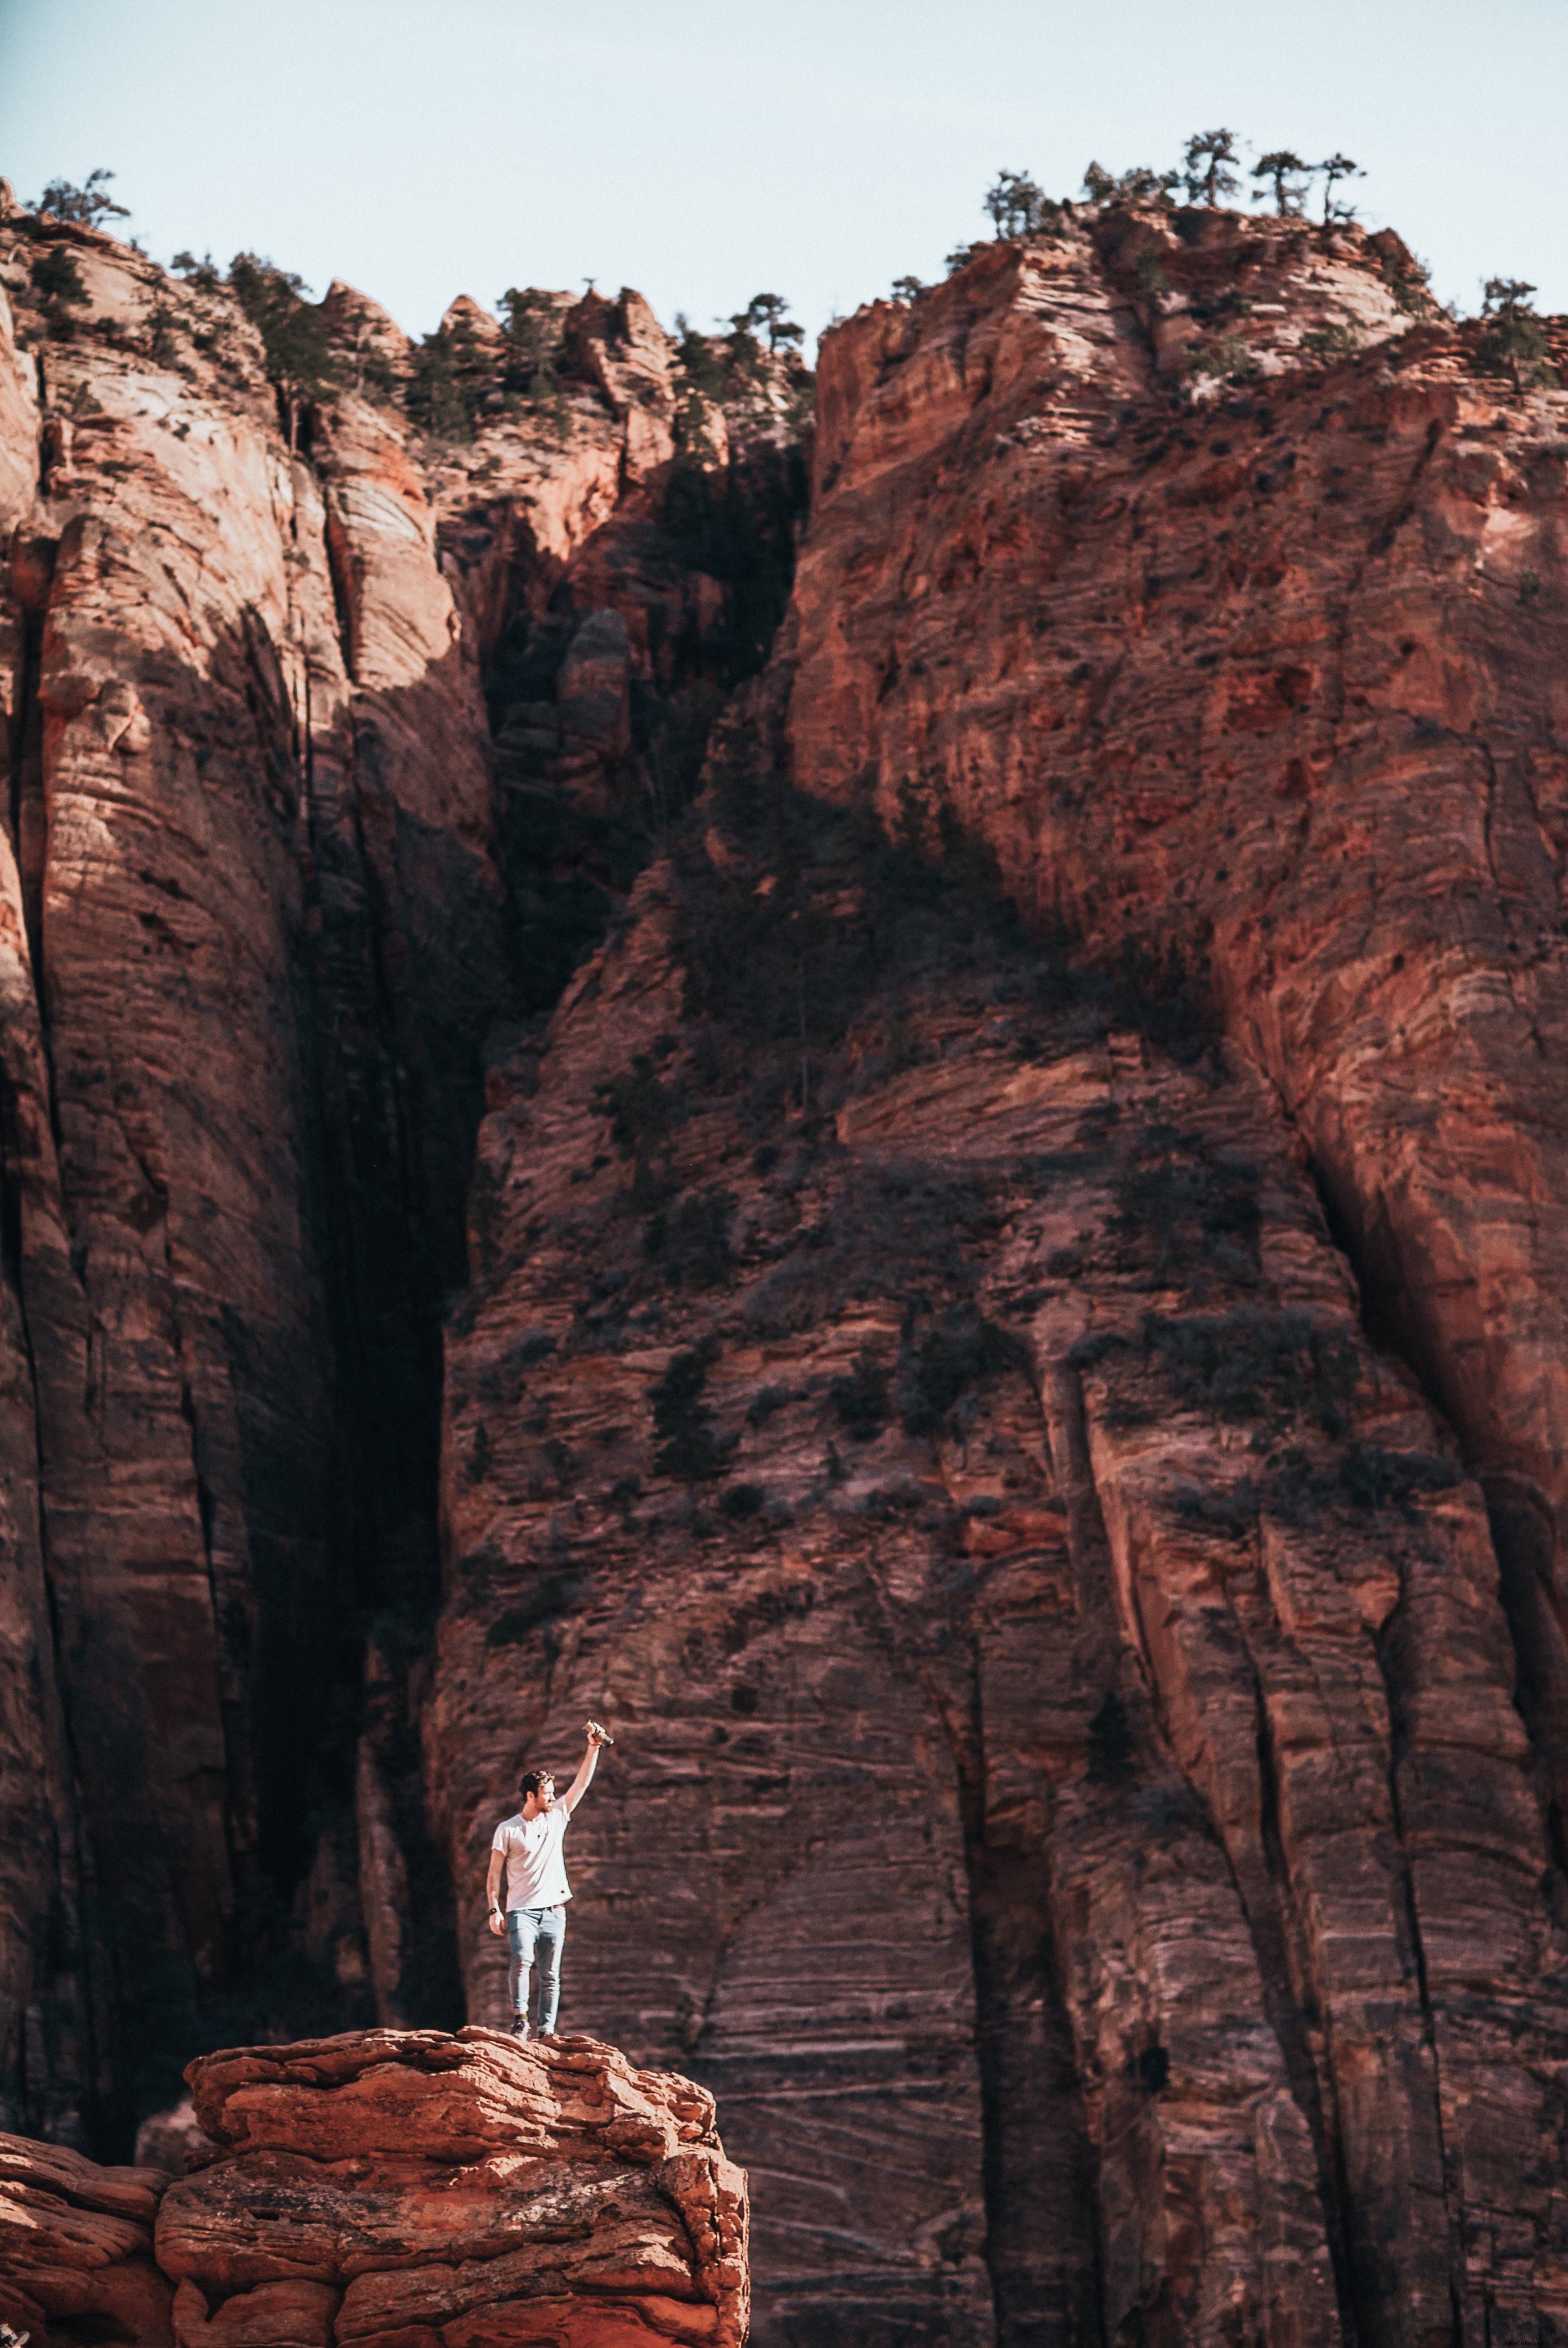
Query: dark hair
x: 533, y: 1781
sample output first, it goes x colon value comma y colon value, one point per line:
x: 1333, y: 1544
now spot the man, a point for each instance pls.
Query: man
x: 526, y: 1850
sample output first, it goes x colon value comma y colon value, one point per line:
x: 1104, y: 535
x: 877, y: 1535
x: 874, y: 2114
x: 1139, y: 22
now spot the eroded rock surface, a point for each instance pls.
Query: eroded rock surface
x: 266, y: 886
x: 1055, y: 1477
x: 1069, y: 1799
x: 1280, y: 680
x: 394, y: 2187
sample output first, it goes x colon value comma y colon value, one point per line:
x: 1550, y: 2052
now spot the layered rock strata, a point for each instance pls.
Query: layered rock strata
x: 394, y: 2187
x: 1068, y: 1796
x: 255, y: 876
x: 1277, y: 678
x: 1043, y: 1486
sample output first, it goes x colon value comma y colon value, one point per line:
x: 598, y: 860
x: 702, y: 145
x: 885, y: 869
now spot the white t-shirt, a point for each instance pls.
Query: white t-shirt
x: 535, y: 1867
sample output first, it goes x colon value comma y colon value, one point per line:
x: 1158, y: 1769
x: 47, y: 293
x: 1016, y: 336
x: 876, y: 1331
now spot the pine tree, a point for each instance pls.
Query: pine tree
x: 1338, y: 167
x: 1285, y: 169
x: 1016, y: 206
x: 771, y: 312
x: 1205, y: 165
x: 299, y: 357
x: 85, y: 206
x: 1514, y: 342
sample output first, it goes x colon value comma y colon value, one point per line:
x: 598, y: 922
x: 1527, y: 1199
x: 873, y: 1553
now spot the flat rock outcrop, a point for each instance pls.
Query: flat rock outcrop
x: 394, y: 2187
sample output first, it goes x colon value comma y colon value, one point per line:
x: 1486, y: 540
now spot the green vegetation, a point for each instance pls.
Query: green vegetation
x: 88, y: 206
x: 1017, y: 207
x: 299, y: 358
x: 162, y: 334
x: 531, y: 324
x: 1327, y: 344
x: 57, y: 280
x: 643, y: 1113
x: 1187, y: 1205
x: 682, y: 1420
x: 203, y: 274
x: 691, y: 1242
x: 963, y: 1352
x: 1514, y: 341
x: 1289, y: 178
x: 1139, y: 186
x: 1205, y: 165
x: 1409, y: 281
x: 1232, y: 358
x: 859, y: 1401
x: 1336, y: 169
x: 1256, y: 1364
x: 771, y: 312
x: 445, y: 384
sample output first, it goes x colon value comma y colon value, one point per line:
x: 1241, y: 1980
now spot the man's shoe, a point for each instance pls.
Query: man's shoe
x: 520, y: 2029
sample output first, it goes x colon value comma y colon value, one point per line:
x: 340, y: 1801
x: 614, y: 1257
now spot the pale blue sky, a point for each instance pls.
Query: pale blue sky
x: 706, y: 149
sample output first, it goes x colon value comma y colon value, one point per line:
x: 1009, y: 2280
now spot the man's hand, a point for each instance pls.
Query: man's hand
x: 597, y: 1737
x: 497, y: 1922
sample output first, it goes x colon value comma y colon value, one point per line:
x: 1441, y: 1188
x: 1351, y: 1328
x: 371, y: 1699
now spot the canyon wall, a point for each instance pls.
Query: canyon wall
x: 1019, y: 1456
x: 266, y: 895
x: 989, y: 1296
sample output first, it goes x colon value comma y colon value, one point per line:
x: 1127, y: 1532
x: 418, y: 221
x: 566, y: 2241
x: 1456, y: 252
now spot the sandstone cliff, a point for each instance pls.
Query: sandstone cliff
x: 1003, y: 1453
x: 1003, y: 1323
x: 272, y: 870
x: 394, y: 2187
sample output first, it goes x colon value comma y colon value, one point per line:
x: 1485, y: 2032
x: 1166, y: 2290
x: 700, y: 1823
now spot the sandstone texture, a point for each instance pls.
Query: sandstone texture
x: 1278, y: 681
x: 394, y: 2187
x: 265, y: 890
x: 988, y: 1293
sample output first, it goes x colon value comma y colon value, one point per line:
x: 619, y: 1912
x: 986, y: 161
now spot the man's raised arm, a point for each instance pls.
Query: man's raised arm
x: 585, y: 1768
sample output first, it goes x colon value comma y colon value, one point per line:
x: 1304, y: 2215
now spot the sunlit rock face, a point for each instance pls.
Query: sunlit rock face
x: 394, y: 2185
x: 989, y: 1296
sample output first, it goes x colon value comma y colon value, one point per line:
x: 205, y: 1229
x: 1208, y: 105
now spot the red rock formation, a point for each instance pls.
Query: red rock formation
x: 75, y: 2248
x: 1016, y: 1466
x: 252, y: 935
x: 1068, y: 1797
x: 395, y: 2188
x: 1275, y: 677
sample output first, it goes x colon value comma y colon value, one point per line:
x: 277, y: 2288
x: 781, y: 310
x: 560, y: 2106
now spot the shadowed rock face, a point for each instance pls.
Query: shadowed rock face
x: 392, y: 2186
x: 263, y: 898
x: 1069, y: 1802
x: 1054, y: 1477
x: 1279, y: 680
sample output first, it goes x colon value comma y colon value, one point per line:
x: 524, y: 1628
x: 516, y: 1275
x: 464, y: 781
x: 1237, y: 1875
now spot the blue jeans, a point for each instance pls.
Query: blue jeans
x: 531, y: 1932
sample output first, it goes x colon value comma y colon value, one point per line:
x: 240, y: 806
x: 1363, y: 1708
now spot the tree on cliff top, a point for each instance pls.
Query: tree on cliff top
x: 1018, y: 206
x: 1291, y: 178
x: 1338, y: 167
x: 299, y: 358
x: 88, y: 206
x: 1204, y: 165
x: 1137, y: 186
x: 771, y: 312
x: 1514, y: 342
